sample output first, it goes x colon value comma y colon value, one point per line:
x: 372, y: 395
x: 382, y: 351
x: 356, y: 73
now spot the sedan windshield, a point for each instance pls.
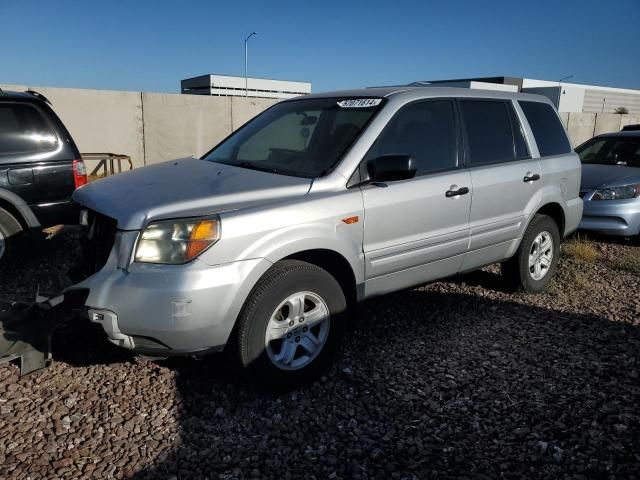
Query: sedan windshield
x: 302, y: 138
x: 611, y: 151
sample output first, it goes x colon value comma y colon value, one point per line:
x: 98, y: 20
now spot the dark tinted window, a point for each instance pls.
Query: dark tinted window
x: 547, y: 128
x: 488, y: 128
x: 426, y: 132
x: 24, y: 130
x: 522, y: 151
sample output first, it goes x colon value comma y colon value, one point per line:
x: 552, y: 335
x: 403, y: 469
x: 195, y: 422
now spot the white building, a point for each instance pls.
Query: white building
x: 572, y: 97
x: 228, y: 86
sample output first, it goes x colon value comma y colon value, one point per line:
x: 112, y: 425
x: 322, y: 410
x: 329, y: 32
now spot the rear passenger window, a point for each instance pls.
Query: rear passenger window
x: 24, y: 130
x: 547, y: 128
x: 488, y: 128
x: 426, y: 131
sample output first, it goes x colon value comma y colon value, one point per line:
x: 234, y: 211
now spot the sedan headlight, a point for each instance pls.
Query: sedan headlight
x: 176, y: 241
x: 617, y: 193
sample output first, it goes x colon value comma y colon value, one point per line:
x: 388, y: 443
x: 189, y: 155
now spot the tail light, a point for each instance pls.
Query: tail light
x: 79, y: 173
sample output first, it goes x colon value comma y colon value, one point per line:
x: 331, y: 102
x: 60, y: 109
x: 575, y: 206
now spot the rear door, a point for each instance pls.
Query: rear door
x: 36, y: 154
x: 415, y: 231
x: 504, y: 176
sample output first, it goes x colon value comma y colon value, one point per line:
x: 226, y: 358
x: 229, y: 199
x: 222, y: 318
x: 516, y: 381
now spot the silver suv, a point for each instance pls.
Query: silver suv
x: 267, y: 243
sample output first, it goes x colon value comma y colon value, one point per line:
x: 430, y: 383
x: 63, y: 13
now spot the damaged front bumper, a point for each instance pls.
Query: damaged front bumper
x: 166, y: 310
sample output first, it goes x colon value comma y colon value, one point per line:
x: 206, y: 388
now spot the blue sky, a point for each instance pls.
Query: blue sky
x: 150, y: 45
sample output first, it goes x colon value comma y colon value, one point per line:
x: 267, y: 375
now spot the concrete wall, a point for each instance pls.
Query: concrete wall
x: 154, y: 127
x: 583, y: 126
x: 149, y: 127
x: 606, y: 122
x: 99, y: 120
x: 180, y: 125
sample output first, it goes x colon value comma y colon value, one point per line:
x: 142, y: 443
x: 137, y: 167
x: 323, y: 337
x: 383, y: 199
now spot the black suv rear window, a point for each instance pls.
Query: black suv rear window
x: 23, y: 129
x: 547, y: 128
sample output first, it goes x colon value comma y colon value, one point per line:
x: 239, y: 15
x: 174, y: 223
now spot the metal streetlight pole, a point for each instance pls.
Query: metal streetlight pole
x: 246, y: 57
x: 560, y: 88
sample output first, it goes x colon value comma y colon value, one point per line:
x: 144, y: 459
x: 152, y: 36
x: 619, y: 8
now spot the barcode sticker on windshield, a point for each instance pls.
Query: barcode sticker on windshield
x: 360, y: 102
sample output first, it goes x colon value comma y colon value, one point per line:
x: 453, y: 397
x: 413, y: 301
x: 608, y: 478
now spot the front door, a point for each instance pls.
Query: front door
x: 417, y: 230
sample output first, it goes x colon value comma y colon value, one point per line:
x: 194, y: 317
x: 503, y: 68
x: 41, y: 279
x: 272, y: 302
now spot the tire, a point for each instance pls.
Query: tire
x: 289, y: 356
x: 9, y: 229
x: 533, y: 278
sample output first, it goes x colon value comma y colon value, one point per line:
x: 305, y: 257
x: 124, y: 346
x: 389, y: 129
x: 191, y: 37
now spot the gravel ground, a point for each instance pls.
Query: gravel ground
x: 457, y: 379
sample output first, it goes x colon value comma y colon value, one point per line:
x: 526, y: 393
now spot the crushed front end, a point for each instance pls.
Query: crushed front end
x: 156, y: 309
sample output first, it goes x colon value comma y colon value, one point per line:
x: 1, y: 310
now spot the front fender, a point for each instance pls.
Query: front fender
x: 278, y: 232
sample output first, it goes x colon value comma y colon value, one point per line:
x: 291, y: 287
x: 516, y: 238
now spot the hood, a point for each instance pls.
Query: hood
x: 594, y: 175
x: 185, y: 187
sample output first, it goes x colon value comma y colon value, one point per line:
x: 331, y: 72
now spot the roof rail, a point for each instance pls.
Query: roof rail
x: 38, y: 95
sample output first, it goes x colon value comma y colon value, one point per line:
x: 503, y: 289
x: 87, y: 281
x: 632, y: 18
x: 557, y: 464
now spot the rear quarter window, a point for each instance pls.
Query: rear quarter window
x: 23, y: 129
x: 547, y: 128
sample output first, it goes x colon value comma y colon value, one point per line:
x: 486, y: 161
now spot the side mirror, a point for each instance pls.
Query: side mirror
x: 388, y: 168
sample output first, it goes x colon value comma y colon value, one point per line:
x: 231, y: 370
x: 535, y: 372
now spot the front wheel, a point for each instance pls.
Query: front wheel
x: 535, y: 261
x: 291, y: 324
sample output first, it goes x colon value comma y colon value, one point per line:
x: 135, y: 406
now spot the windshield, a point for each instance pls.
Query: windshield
x: 611, y: 151
x: 303, y: 138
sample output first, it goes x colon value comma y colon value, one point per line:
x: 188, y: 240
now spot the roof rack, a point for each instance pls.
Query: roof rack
x: 38, y: 95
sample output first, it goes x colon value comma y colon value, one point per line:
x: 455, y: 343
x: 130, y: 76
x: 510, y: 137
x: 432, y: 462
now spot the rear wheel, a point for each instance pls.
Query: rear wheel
x: 9, y: 229
x: 291, y: 324
x: 534, y: 264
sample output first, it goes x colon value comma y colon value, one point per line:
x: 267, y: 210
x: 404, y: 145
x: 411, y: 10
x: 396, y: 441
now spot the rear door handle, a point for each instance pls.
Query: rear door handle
x: 531, y: 177
x: 454, y: 191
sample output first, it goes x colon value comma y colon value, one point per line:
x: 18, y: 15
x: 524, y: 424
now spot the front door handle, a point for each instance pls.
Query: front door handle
x: 531, y: 177
x: 454, y: 191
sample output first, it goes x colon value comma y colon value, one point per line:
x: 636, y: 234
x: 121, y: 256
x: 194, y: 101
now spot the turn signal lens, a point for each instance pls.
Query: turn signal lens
x: 351, y: 220
x: 204, y: 234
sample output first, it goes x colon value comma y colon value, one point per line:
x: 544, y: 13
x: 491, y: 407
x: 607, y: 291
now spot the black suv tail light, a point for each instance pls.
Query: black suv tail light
x: 79, y: 173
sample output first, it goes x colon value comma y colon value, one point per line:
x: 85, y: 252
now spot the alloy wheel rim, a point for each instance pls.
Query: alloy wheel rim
x: 541, y: 255
x: 297, y: 331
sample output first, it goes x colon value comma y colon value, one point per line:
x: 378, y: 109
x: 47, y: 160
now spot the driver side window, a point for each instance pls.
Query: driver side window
x: 426, y: 131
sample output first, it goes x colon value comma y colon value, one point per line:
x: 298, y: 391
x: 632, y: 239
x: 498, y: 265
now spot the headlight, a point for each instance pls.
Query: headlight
x: 617, y: 193
x: 177, y: 241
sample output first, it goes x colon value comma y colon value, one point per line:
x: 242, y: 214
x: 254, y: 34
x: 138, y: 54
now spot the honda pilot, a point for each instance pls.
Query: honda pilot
x: 267, y: 243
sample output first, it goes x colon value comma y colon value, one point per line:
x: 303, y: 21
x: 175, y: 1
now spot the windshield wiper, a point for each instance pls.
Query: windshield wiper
x: 260, y: 168
x: 253, y: 166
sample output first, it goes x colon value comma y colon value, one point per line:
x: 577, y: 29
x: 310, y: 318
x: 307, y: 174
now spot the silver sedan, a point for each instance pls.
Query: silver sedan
x: 610, y: 185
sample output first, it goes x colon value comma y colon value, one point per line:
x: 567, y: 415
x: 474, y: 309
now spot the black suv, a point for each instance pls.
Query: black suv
x: 40, y: 167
